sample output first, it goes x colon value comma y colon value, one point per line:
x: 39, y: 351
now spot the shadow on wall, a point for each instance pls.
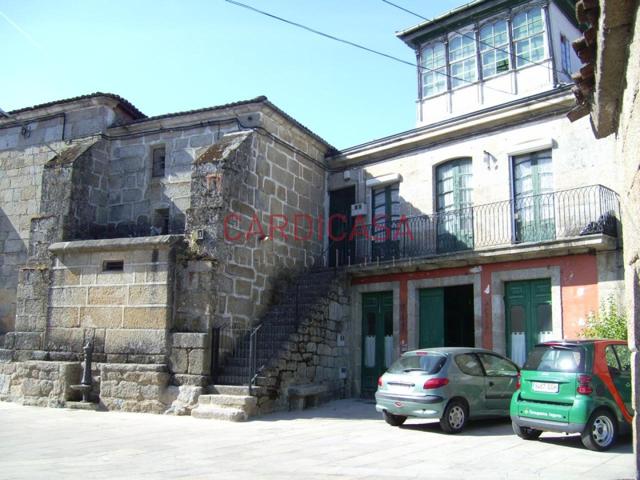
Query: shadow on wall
x: 13, y: 253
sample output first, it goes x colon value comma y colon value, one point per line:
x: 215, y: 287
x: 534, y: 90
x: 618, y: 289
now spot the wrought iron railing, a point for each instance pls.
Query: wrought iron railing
x: 234, y: 354
x: 529, y: 219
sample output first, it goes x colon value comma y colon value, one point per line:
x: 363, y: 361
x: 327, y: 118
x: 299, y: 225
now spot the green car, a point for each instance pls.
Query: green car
x: 449, y: 384
x: 579, y: 386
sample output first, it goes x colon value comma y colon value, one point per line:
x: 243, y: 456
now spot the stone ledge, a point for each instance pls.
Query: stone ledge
x: 134, y: 367
x: 159, y: 241
x: 190, y: 340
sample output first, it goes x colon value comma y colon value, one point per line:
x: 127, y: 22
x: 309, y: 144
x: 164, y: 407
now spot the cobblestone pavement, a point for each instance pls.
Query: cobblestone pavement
x: 343, y: 439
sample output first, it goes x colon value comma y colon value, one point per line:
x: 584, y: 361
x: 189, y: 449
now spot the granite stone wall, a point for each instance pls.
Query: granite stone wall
x: 318, y: 353
x: 126, y: 312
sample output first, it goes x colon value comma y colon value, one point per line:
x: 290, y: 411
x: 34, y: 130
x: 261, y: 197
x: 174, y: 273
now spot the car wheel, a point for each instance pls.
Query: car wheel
x: 454, y: 417
x: 526, y: 433
x: 393, y: 420
x: 601, y: 431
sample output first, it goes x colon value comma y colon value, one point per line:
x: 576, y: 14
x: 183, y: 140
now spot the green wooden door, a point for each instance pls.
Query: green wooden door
x: 431, y: 318
x: 377, y: 338
x: 454, y: 205
x: 533, y: 197
x: 528, y: 316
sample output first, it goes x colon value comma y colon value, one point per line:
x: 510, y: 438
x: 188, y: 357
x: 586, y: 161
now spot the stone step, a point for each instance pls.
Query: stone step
x: 244, y: 402
x: 208, y: 411
x: 228, y: 389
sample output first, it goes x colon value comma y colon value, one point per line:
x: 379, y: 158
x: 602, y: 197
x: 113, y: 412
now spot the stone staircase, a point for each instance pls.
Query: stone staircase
x: 229, y: 398
x: 226, y: 402
x: 297, y: 299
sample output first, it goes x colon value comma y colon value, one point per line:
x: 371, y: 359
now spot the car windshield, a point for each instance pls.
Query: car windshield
x: 556, y: 358
x: 430, y: 363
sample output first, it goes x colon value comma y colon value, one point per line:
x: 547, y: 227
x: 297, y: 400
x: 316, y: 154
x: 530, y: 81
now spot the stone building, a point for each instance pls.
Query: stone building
x: 607, y: 90
x: 149, y: 237
x: 227, y: 261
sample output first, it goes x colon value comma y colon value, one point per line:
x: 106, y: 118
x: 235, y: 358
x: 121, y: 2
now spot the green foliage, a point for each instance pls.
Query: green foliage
x: 609, y: 322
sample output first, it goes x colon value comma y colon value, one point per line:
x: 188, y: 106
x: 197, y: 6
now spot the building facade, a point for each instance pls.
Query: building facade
x: 227, y: 247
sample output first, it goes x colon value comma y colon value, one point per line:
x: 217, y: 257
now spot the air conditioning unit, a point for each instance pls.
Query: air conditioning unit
x: 358, y: 209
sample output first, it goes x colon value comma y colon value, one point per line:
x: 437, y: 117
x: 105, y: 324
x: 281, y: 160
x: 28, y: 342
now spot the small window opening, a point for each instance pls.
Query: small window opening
x: 158, y: 158
x: 113, y: 266
x: 161, y: 222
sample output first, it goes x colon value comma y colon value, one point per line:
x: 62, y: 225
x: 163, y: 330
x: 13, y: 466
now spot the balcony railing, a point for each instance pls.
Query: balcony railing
x: 531, y: 219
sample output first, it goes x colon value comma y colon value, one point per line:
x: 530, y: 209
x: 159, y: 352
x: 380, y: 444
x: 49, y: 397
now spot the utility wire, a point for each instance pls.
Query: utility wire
x: 357, y: 45
x: 466, y: 35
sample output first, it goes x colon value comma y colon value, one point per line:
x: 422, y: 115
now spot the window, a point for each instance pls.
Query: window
x: 624, y: 356
x: 551, y: 358
x: 161, y: 222
x: 434, y: 73
x: 113, y: 266
x: 496, y: 366
x: 469, y: 364
x: 534, y: 199
x: 528, y: 36
x: 462, y: 59
x: 158, y: 163
x: 385, y: 210
x: 453, y: 204
x: 565, y: 51
x: 494, y: 48
x: 428, y: 363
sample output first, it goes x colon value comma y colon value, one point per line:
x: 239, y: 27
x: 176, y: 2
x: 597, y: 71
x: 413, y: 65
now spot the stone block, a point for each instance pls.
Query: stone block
x: 178, y: 360
x: 66, y: 276
x: 145, y: 317
x: 64, y: 317
x: 101, y: 317
x: 239, y: 306
x: 65, y: 339
x: 108, y: 295
x: 136, y: 341
x: 147, y: 295
x: 27, y: 340
x: 199, y: 362
x: 68, y: 296
x: 190, y: 340
x: 239, y: 271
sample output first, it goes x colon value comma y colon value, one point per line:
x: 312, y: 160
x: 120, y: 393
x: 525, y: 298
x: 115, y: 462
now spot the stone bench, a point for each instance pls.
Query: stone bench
x: 305, y: 396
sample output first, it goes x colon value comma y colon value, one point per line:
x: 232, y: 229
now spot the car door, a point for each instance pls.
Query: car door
x: 471, y: 383
x: 501, y: 376
x: 618, y: 358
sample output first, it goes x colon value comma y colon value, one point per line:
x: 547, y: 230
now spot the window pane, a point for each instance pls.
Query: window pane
x: 496, y: 366
x: 528, y: 28
x: 612, y: 361
x: 624, y: 355
x: 517, y: 316
x: 433, y: 74
x: 469, y: 364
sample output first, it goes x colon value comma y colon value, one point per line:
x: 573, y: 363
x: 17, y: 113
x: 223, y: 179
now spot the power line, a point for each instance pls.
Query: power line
x: 357, y: 45
x: 551, y: 68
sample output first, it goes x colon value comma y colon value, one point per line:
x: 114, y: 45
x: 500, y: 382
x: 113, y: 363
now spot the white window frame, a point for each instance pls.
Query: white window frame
x: 459, y: 81
x: 528, y: 37
x: 495, y: 50
x: 435, y: 72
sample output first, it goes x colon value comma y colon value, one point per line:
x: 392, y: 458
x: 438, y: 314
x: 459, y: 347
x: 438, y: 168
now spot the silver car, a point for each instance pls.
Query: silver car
x: 452, y: 384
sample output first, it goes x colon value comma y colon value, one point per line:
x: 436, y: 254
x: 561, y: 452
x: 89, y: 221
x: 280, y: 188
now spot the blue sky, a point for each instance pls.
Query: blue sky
x: 168, y: 56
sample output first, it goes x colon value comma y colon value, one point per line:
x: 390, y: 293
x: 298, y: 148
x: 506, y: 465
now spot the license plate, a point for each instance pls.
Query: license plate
x: 544, y: 387
x: 398, y: 387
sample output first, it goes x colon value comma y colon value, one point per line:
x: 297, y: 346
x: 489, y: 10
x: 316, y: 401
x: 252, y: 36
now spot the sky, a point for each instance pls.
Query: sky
x: 170, y: 56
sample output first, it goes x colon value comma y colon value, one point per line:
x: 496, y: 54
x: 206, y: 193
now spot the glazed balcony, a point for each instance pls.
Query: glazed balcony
x: 561, y: 217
